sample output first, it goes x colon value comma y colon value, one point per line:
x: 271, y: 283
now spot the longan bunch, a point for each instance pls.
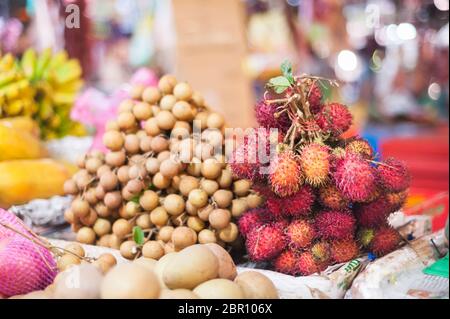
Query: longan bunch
x: 159, y: 176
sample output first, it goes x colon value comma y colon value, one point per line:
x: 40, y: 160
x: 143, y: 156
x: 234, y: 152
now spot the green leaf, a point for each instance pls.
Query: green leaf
x: 135, y: 199
x: 279, y: 84
x: 138, y: 235
x: 286, y: 68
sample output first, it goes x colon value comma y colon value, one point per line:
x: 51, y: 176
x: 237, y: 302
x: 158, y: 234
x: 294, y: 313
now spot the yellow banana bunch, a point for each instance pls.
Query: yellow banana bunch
x: 43, y: 86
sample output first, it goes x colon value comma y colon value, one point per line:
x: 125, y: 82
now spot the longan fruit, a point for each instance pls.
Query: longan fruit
x: 175, y: 184
x: 209, y: 186
x: 123, y: 174
x: 211, y: 169
x: 152, y: 165
x: 126, y: 194
x: 128, y: 249
x: 103, y: 241
x: 180, y: 131
x: 238, y: 206
x: 149, y: 200
x: 159, y: 216
x: 90, y: 196
x: 186, y: 149
x: 207, y: 236
x: 169, y: 168
x: 163, y: 156
x: 165, y: 233
x: 136, y: 171
x: 144, y: 221
x: 105, y: 262
x: 92, y: 165
x: 167, y: 83
x: 176, y: 220
x: 183, y: 237
x: 76, y: 249
x: 222, y: 160
x: 132, y: 144
x: 151, y: 95
x: 195, y: 223
x: 223, y: 198
x: 219, y: 218
x: 200, y: 120
x: 187, y: 184
x: 229, y: 233
x: 191, y: 209
x: 80, y: 207
x: 68, y: 216
x: 213, y: 137
x: 131, y: 210
x: 183, y: 91
x: 125, y: 106
x: 126, y: 121
x: 159, y: 144
x: 142, y: 111
x: 102, y: 210
x: 102, y: 227
x: 174, y: 204
x: 165, y: 119
x: 254, y: 200
x: 167, y: 102
x: 111, y: 126
x: 76, y: 226
x: 103, y: 169
x: 215, y: 120
x: 108, y: 258
x: 89, y: 220
x: 145, y: 143
x: 66, y: 261
x: 225, y: 179
x: 86, y: 235
x: 198, y: 198
x: 153, y: 249
x: 116, y: 159
x: 198, y: 99
x: 241, y: 187
x: 81, y: 161
x: 151, y: 127
x: 160, y: 181
x: 121, y: 228
x: 70, y: 187
x: 169, y: 248
x: 108, y: 181
x: 183, y: 111
x: 135, y: 186
x: 155, y: 109
x: 204, y: 212
x: 136, y: 91
x: 115, y: 241
x: 113, y: 200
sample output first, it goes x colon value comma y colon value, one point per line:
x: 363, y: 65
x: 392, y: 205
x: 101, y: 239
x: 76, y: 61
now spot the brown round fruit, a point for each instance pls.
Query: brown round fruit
x: 144, y: 221
x: 86, y: 235
x: 167, y: 102
x: 219, y: 218
x: 116, y: 159
x: 142, y: 111
x: 159, y: 144
x: 167, y: 83
x: 153, y: 249
x: 165, y: 233
x: 160, y: 181
x: 151, y: 127
x: 70, y: 187
x: 113, y: 140
x: 151, y: 95
x: 159, y: 216
x: 206, y: 236
x: 183, y: 237
x: 174, y: 204
x: 128, y: 249
x: 166, y: 120
x: 132, y: 144
x: 183, y: 91
x: 121, y: 228
x: 198, y: 198
x: 102, y: 227
x: 223, y: 198
x: 229, y: 233
x: 80, y: 207
x: 149, y: 200
x: 211, y: 169
x: 215, y: 120
x: 113, y: 200
x: 195, y: 223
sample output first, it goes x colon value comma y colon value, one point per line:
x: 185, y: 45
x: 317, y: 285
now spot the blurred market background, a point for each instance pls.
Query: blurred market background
x: 391, y: 58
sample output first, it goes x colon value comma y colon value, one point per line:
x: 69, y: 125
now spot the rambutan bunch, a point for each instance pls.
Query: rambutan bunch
x: 297, y: 205
x: 393, y: 175
x: 252, y: 219
x: 374, y: 213
x: 335, y: 224
x: 287, y: 262
x: 285, y: 173
x: 331, y: 197
x: 360, y: 147
x: 300, y: 233
x: 266, y: 241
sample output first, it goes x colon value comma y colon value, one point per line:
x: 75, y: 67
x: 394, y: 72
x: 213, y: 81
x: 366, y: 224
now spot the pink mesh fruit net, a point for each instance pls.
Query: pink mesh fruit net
x: 25, y: 266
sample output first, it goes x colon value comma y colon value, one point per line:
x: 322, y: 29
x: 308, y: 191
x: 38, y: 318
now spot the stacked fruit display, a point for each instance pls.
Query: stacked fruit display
x: 42, y: 86
x: 328, y: 198
x: 160, y: 188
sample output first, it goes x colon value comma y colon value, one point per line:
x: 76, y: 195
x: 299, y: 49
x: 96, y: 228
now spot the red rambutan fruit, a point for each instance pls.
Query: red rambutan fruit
x: 393, y: 175
x: 296, y: 205
x: 243, y: 161
x: 253, y: 218
x: 385, y: 240
x: 315, y: 163
x: 321, y: 251
x: 360, y: 147
x: 331, y: 197
x: 267, y: 116
x: 307, y: 265
x: 355, y: 178
x: 315, y: 99
x: 373, y: 214
x: 266, y: 241
x: 334, y: 119
x: 344, y: 250
x: 285, y: 174
x: 397, y: 200
x: 300, y: 233
x: 335, y: 224
x: 286, y: 262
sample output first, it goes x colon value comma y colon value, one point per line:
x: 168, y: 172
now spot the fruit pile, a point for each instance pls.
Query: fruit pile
x: 327, y: 197
x: 42, y: 86
x: 160, y: 187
